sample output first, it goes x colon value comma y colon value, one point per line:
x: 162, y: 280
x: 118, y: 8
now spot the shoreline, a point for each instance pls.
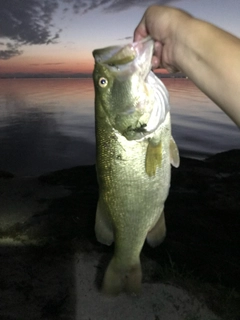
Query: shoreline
x: 53, y: 216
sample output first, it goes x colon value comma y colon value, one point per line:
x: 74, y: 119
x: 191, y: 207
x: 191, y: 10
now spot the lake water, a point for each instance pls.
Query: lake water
x: 48, y: 124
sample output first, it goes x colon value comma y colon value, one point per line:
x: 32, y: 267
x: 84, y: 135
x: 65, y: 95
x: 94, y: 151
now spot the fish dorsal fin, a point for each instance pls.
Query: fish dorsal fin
x: 153, y: 158
x: 174, y: 154
x: 123, y: 56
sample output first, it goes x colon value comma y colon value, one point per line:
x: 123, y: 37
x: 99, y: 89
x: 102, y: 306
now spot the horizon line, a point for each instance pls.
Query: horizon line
x: 75, y: 76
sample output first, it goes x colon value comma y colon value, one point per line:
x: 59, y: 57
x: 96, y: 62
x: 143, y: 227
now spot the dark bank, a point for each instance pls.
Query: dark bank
x: 200, y: 253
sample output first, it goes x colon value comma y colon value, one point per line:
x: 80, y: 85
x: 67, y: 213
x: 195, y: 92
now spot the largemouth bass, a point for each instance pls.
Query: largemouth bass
x: 135, y: 150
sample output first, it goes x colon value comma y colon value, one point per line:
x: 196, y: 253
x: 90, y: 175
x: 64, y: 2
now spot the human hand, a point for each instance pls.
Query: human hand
x: 165, y: 25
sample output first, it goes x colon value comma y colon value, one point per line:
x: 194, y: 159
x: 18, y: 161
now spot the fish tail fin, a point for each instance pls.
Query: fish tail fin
x: 119, y: 279
x: 134, y: 279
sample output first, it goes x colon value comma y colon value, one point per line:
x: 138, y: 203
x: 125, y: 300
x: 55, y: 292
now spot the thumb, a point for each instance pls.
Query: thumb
x: 140, y: 32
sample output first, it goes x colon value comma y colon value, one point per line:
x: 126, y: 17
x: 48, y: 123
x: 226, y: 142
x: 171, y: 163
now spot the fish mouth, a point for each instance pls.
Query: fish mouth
x: 142, y: 102
x: 130, y: 57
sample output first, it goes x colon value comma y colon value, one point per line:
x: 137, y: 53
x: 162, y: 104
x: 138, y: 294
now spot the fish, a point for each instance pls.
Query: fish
x: 134, y: 153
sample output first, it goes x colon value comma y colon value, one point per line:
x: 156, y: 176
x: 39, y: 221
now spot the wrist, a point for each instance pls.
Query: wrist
x: 183, y: 38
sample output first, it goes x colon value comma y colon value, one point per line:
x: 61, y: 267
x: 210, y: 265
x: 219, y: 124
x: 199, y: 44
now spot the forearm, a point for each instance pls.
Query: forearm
x: 210, y: 57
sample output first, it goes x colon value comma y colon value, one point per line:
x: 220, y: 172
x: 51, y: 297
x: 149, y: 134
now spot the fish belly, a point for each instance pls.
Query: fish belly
x: 130, y: 201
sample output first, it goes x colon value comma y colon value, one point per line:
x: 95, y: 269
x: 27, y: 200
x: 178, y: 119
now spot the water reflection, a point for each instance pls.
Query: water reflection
x: 33, y: 144
x: 199, y: 126
x: 48, y: 124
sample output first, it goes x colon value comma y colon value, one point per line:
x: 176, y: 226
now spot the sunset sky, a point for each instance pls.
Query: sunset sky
x: 58, y: 36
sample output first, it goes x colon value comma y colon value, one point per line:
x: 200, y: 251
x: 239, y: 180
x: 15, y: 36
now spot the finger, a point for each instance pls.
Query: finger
x: 157, y: 55
x: 172, y: 69
x: 155, y: 62
x: 157, y: 49
x: 140, y: 32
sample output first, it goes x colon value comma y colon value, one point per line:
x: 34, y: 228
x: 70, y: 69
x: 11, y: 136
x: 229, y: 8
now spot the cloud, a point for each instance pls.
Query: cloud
x: 126, y: 38
x: 46, y: 64
x: 119, y: 5
x: 7, y: 54
x: 29, y: 22
x: 53, y: 63
x: 26, y: 22
x: 11, y: 50
x: 83, y: 6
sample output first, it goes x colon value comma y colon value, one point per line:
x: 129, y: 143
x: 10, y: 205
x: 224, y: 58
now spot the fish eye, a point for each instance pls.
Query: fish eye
x: 103, y: 82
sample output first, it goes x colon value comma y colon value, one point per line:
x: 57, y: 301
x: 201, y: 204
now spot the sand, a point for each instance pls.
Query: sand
x: 44, y: 278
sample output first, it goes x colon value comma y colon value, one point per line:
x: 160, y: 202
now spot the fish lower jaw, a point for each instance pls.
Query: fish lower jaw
x: 134, y: 136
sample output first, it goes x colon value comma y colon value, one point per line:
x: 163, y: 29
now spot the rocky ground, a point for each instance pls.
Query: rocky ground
x: 51, y: 265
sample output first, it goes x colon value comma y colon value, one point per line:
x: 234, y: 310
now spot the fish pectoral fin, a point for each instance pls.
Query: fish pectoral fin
x: 157, y: 234
x: 174, y: 153
x: 153, y: 158
x: 103, y: 227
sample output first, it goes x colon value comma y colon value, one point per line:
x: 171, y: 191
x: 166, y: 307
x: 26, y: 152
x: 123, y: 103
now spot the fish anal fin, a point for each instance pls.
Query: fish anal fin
x: 153, y: 158
x: 157, y: 234
x: 174, y: 153
x: 103, y: 227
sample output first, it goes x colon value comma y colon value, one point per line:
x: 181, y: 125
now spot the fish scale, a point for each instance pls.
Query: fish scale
x: 133, y: 164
